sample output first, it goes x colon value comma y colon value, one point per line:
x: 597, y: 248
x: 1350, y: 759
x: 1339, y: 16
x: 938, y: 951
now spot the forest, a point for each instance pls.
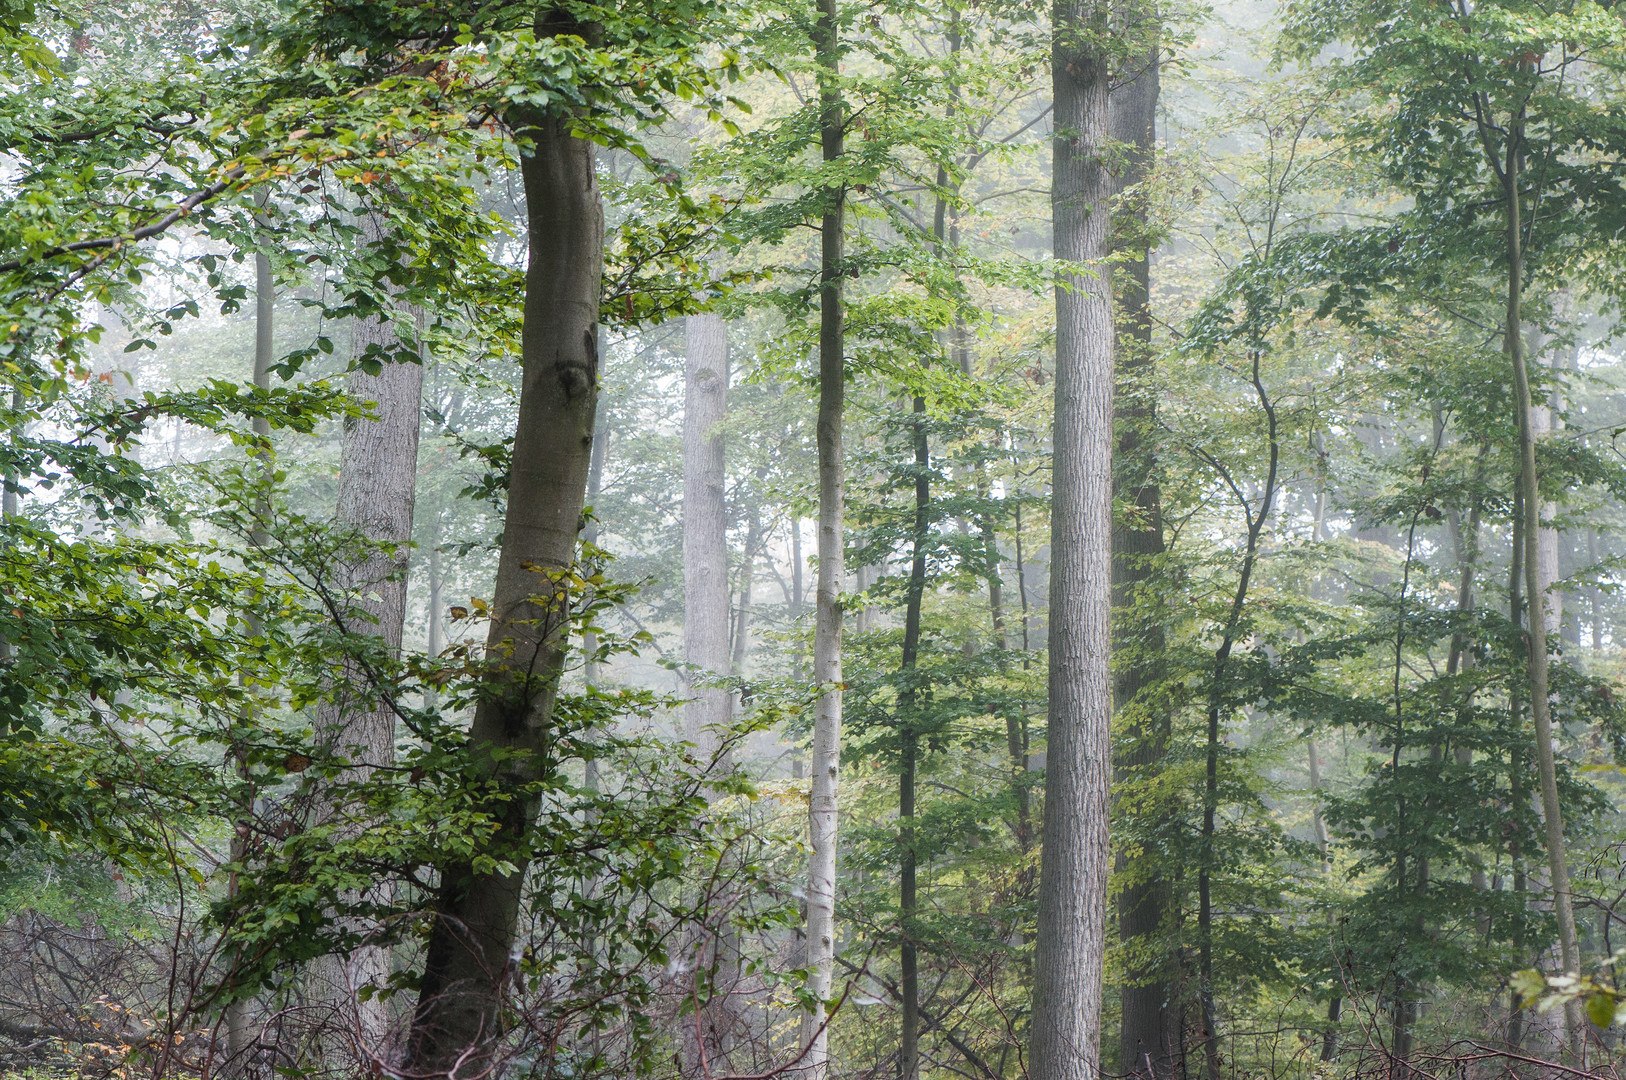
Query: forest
x: 812, y: 539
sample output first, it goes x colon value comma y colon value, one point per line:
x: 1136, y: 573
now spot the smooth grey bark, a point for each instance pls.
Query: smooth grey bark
x: 1594, y: 594
x: 909, y: 738
x: 705, y: 530
x: 1335, y: 1004
x: 468, y: 964
x: 748, y: 563
x: 798, y: 598
x: 239, y: 1018
x: 1537, y: 598
x: 1071, y: 927
x: 706, y: 632
x: 1147, y: 1044
x: 826, y: 757
x: 1541, y: 426
x: 378, y: 469
x: 1518, y: 794
x: 595, y: 487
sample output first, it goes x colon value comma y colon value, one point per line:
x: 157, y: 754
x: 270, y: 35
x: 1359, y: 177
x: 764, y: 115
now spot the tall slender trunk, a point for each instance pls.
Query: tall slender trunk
x: 1465, y: 544
x: 1146, y: 1043
x: 705, y: 629
x: 1216, y: 706
x: 378, y: 470
x: 1072, y: 911
x: 705, y: 536
x: 468, y: 963
x: 748, y: 565
x: 1335, y: 1004
x: 595, y: 487
x: 1540, y: 710
x: 1594, y: 594
x: 1517, y: 795
x: 909, y: 737
x: 822, y: 804
x: 435, y: 639
x: 239, y: 1015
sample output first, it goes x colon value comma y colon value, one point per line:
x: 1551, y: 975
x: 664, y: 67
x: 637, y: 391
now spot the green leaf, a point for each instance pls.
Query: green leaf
x: 1600, y: 1009
x: 1527, y: 985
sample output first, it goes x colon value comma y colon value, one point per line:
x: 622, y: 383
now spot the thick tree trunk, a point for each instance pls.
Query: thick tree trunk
x: 1147, y: 1044
x: 705, y: 630
x: 1540, y: 708
x: 378, y: 469
x: 822, y: 805
x: 469, y: 963
x: 1071, y: 930
x: 705, y: 530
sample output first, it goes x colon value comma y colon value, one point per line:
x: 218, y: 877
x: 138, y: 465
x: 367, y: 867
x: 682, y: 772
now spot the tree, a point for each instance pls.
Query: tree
x: 706, y: 618
x: 824, y: 768
x: 1071, y: 936
x: 1148, y: 1043
x: 378, y: 472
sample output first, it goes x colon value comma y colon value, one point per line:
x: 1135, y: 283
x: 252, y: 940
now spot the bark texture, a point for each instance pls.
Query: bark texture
x: 240, y: 1018
x: 1540, y: 708
x: 378, y: 469
x: 1147, y: 1044
x: 706, y: 634
x: 909, y: 737
x: 469, y: 962
x: 1071, y: 928
x: 705, y: 536
x: 826, y: 758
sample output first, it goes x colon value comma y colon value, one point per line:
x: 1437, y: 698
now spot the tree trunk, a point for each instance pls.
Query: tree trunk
x: 1517, y: 795
x: 748, y: 565
x: 1071, y: 924
x: 705, y: 530
x: 1513, y: 342
x: 705, y: 628
x: 909, y: 737
x: 239, y: 1018
x: 595, y: 486
x: 1594, y: 594
x: 1335, y: 1004
x: 468, y: 964
x: 1146, y: 1043
x: 378, y: 471
x: 822, y: 804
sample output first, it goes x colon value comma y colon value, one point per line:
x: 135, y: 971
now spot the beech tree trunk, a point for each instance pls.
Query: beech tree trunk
x: 469, y: 962
x: 909, y: 737
x: 748, y: 566
x: 1147, y: 1043
x: 1529, y: 483
x: 826, y: 759
x: 705, y: 629
x: 378, y: 469
x: 705, y: 529
x: 1071, y: 930
x: 239, y: 1015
